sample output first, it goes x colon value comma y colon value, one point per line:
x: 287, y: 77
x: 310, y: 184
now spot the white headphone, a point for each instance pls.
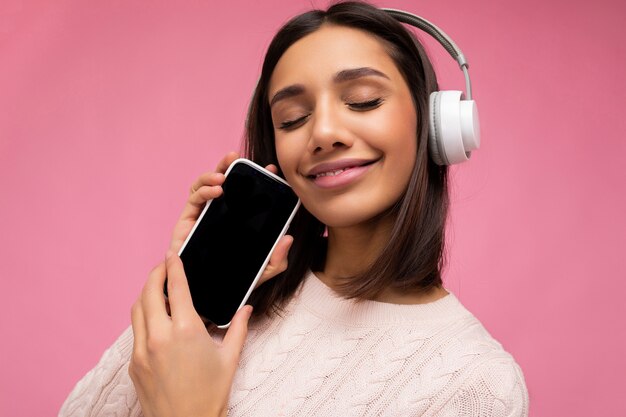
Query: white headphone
x: 454, y: 127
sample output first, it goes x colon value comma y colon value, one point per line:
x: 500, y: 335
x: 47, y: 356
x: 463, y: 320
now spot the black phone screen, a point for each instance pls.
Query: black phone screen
x: 232, y: 240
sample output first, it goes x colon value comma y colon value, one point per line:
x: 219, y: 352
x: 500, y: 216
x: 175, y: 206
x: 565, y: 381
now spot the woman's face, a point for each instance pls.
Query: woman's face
x: 345, y: 125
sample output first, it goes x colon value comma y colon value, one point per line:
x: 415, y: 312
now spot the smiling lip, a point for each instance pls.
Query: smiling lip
x: 338, y: 173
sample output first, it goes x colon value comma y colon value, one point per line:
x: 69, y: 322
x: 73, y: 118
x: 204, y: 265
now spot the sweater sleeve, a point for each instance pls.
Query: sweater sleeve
x: 107, y: 389
x: 494, y: 389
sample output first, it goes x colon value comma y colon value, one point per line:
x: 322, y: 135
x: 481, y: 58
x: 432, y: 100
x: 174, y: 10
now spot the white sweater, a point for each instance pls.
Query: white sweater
x: 327, y: 356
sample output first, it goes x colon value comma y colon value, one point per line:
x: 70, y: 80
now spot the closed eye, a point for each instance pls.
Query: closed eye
x: 291, y: 124
x: 365, y: 105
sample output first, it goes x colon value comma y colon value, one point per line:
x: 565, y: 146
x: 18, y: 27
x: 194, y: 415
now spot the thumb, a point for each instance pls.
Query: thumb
x: 236, y: 335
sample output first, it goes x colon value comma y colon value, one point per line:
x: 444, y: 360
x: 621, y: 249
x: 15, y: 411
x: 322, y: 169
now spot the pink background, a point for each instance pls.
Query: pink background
x: 109, y: 111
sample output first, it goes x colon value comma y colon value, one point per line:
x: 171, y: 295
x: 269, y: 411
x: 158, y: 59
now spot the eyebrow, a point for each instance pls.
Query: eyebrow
x: 354, y: 73
x: 287, y: 92
x: 340, y: 77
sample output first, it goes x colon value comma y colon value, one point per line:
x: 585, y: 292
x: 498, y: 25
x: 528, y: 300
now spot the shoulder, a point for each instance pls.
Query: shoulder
x: 493, y: 387
x: 485, y: 379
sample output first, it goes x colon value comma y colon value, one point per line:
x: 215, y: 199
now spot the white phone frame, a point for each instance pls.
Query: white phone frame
x: 281, y: 234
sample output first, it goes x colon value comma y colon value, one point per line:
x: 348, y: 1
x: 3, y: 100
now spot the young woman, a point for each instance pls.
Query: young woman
x: 354, y: 321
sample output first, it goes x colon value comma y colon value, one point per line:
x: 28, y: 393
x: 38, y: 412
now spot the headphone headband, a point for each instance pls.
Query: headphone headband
x: 440, y: 36
x: 454, y: 128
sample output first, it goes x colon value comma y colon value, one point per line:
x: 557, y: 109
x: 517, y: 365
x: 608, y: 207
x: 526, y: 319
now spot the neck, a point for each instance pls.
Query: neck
x: 352, y: 249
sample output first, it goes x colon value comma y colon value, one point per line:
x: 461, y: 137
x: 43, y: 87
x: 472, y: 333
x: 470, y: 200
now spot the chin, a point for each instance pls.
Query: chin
x: 345, y: 216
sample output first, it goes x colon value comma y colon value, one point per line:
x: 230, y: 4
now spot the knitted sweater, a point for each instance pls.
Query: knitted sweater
x: 328, y: 356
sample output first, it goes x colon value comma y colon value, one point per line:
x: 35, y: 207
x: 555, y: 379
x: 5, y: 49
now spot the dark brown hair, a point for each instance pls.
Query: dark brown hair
x: 413, y: 256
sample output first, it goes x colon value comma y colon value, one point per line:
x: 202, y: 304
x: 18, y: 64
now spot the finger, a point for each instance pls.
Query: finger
x: 278, y: 261
x: 223, y: 165
x: 279, y: 256
x: 207, y: 178
x: 181, y: 304
x: 139, y: 326
x: 201, y: 196
x: 153, y: 299
x: 236, y: 335
x: 190, y: 214
x: 272, y: 168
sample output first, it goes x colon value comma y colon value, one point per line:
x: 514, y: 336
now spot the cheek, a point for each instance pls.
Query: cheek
x: 402, y: 124
x: 287, y: 155
x: 398, y: 128
x: 394, y: 131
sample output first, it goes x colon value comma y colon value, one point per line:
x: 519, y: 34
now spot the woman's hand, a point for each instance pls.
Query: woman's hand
x: 177, y: 368
x: 209, y: 186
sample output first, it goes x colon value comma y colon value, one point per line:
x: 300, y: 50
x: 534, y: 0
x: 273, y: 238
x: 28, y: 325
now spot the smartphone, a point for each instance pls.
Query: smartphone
x: 233, y: 239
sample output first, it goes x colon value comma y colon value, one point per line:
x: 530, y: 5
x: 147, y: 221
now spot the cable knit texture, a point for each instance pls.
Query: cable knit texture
x: 327, y: 356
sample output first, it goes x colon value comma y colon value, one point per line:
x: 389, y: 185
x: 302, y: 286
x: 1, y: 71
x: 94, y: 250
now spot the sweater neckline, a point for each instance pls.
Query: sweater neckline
x: 325, y: 303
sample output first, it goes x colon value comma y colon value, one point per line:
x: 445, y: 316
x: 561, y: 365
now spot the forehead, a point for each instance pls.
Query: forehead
x: 330, y: 49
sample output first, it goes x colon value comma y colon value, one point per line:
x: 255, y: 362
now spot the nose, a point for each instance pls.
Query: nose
x: 328, y: 131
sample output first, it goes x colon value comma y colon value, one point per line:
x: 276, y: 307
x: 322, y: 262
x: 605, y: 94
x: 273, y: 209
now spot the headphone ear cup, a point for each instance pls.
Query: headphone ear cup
x: 434, y: 141
x: 454, y: 127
